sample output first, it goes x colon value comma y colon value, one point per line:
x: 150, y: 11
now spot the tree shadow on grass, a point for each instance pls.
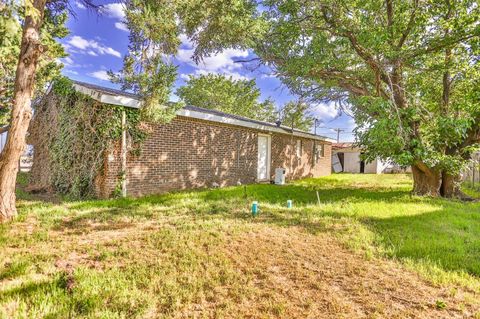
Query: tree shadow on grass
x: 218, y: 203
x: 31, y: 289
x: 447, y: 234
x: 270, y: 194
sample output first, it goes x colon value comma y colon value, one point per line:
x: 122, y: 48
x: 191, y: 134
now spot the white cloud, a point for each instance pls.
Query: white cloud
x: 185, y: 41
x: 236, y: 75
x: 80, y: 5
x: 90, y: 47
x: 70, y: 71
x: 221, y: 63
x: 79, y: 42
x: 351, y: 122
x: 325, y: 110
x: 101, y: 75
x: 217, y: 62
x: 121, y: 26
x: 268, y: 76
x: 67, y: 61
x: 113, y: 10
x: 184, y: 76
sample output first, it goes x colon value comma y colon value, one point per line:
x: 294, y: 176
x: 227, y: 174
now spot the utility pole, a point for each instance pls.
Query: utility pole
x: 338, y: 130
x: 316, y: 122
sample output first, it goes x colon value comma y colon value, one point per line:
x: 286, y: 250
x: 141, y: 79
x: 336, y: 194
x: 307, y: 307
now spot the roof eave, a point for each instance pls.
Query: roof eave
x: 136, y: 103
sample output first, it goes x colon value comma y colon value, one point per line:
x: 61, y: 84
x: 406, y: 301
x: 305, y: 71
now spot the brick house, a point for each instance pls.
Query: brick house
x: 205, y: 148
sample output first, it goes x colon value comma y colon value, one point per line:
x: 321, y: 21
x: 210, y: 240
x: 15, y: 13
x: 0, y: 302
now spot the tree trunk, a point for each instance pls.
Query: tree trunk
x: 451, y: 187
x: 21, y: 114
x: 426, y: 181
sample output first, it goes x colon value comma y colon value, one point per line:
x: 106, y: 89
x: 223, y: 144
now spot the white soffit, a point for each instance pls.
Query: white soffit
x: 135, y: 103
x: 108, y: 98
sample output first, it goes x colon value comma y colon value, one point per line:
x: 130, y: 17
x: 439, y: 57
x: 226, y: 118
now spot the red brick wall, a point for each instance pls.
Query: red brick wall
x: 284, y: 154
x: 189, y: 153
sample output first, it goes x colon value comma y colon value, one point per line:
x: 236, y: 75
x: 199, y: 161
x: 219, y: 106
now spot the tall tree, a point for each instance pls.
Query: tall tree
x: 297, y: 114
x: 219, y: 92
x: 155, y: 30
x: 10, y: 39
x: 31, y: 48
x: 155, y: 27
x: 408, y: 70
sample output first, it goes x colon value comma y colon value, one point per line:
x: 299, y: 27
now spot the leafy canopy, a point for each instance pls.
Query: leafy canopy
x: 215, y: 91
x: 155, y: 27
x: 407, y: 70
x: 297, y: 114
x: 53, y: 28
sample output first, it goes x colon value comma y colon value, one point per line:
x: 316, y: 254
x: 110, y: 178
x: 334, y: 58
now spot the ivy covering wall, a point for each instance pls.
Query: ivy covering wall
x: 72, y: 134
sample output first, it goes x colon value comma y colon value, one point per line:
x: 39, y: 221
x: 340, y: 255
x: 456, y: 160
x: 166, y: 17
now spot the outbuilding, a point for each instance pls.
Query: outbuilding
x: 346, y: 157
x: 198, y: 148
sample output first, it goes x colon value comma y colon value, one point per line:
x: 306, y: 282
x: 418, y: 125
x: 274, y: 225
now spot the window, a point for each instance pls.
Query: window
x: 321, y: 150
x: 318, y: 151
x: 299, y: 148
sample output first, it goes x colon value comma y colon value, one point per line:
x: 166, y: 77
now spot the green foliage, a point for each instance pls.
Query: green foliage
x: 153, y: 85
x: 48, y: 68
x: 407, y: 70
x: 219, y: 92
x: 155, y: 27
x: 297, y: 114
x: 82, y: 132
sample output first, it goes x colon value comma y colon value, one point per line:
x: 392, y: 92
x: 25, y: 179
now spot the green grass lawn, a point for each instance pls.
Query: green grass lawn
x: 162, y: 254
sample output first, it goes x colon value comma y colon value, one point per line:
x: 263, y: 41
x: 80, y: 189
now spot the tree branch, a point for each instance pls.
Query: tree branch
x: 439, y: 44
x: 410, y: 25
x: 359, y: 49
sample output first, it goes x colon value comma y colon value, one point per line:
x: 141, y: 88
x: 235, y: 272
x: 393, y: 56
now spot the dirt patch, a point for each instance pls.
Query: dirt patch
x: 305, y: 276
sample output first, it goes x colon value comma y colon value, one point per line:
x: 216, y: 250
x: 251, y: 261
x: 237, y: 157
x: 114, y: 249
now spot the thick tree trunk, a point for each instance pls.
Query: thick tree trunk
x: 450, y: 186
x: 426, y: 181
x: 30, y: 50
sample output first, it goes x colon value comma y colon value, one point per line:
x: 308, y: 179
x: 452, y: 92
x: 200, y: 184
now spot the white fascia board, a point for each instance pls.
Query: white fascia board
x: 91, y: 93
x: 237, y: 122
x: 135, y: 103
x: 108, y: 98
x: 120, y: 100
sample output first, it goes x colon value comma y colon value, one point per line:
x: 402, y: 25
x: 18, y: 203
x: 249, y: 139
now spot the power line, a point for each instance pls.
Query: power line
x: 338, y: 130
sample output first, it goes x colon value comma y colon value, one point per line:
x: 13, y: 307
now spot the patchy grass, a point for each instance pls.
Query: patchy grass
x: 200, y: 253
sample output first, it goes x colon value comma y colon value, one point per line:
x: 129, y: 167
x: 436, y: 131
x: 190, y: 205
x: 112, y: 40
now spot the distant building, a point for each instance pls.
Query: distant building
x: 198, y: 148
x: 25, y: 159
x: 346, y: 158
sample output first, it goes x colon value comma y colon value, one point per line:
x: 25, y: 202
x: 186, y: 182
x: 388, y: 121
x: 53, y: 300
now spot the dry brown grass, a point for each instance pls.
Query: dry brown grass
x: 299, y: 275
x: 201, y: 255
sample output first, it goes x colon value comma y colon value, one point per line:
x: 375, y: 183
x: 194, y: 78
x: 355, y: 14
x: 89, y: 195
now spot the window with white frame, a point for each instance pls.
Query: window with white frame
x: 299, y: 148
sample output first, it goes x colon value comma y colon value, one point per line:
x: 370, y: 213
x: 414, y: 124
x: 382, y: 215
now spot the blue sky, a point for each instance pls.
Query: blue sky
x: 97, y: 44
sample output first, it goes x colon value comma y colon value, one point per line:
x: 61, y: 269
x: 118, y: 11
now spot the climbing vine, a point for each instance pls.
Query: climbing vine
x: 75, y: 133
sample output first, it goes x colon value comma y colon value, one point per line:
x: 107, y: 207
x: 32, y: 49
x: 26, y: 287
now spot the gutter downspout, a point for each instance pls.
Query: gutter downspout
x: 124, y: 154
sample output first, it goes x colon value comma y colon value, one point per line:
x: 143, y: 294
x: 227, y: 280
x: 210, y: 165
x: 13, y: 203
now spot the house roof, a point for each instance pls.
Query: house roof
x: 127, y: 99
x: 342, y: 145
x: 345, y: 146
